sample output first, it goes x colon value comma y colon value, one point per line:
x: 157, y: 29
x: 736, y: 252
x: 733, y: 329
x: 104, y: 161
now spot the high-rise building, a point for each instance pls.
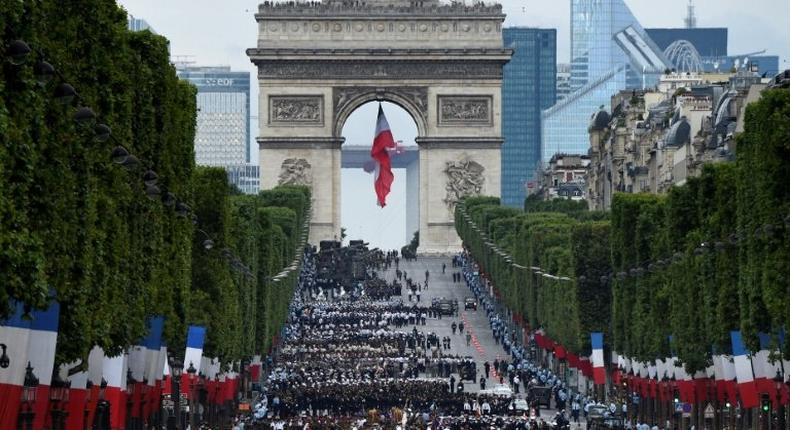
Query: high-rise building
x: 222, y: 137
x: 528, y: 87
x: 610, y: 52
x: 137, y: 24
x: 246, y: 177
x: 563, y: 80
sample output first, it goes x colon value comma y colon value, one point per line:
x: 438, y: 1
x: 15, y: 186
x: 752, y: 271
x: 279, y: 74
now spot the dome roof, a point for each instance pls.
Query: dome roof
x: 599, y: 120
x: 679, y: 134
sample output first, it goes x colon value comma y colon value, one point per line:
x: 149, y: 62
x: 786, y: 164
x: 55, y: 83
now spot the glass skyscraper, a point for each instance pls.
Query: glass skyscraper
x: 222, y: 137
x: 138, y: 24
x: 610, y: 52
x: 528, y: 87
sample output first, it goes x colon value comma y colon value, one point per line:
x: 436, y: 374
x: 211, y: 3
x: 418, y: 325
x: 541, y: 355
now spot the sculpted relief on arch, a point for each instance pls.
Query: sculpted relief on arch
x: 464, y: 178
x: 296, y: 171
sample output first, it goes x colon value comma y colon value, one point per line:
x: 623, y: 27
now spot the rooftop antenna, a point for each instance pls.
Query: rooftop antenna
x: 691, y: 18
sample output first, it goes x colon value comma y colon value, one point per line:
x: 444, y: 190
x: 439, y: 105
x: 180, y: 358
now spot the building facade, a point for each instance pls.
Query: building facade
x: 655, y: 139
x: 528, y: 87
x: 563, y: 80
x: 246, y: 177
x: 222, y: 137
x: 138, y: 24
x: 610, y: 52
x: 564, y: 177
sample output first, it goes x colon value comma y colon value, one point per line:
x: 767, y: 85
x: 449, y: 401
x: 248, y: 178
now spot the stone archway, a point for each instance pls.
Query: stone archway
x: 318, y: 62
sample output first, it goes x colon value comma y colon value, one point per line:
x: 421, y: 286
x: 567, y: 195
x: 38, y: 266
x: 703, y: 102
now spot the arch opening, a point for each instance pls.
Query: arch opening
x: 394, y: 225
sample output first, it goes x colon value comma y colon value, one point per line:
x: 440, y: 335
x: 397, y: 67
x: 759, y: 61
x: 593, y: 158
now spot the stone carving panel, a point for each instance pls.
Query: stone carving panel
x: 464, y: 178
x: 379, y: 70
x: 418, y: 96
x: 296, y: 110
x: 465, y: 110
x: 296, y: 171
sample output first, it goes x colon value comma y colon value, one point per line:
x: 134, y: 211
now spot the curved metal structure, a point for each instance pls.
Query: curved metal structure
x: 684, y: 56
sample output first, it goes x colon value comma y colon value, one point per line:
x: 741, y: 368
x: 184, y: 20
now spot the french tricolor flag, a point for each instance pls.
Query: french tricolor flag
x: 41, y: 355
x: 255, y: 369
x: 114, y: 372
x: 151, y: 371
x: 382, y: 142
x: 599, y: 372
x: 14, y: 333
x: 764, y: 370
x: 718, y: 375
x: 196, y: 337
x: 743, y: 371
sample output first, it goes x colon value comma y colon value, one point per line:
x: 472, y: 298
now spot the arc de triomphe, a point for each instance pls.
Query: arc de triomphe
x: 319, y: 61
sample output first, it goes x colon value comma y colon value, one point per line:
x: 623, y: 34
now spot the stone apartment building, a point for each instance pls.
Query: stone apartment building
x: 564, y: 177
x: 650, y: 140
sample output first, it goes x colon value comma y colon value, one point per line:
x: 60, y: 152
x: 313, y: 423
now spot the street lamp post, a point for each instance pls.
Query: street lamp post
x: 191, y: 371
x: 58, y: 398
x: 4, y: 360
x: 26, y: 413
x: 779, y: 409
x: 101, y: 421
x: 86, y: 410
x: 130, y: 390
x: 145, y: 390
x: 176, y: 367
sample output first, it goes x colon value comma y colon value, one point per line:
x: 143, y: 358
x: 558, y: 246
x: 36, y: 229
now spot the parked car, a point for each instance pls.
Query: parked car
x: 470, y: 303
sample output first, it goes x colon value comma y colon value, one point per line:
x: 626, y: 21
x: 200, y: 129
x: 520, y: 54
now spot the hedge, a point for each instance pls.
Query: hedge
x: 709, y: 257
x: 76, y: 226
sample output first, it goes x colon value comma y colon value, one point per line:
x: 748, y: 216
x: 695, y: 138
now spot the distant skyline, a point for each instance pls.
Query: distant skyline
x: 212, y: 33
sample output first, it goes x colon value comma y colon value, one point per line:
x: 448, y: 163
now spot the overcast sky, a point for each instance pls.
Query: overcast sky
x: 212, y: 32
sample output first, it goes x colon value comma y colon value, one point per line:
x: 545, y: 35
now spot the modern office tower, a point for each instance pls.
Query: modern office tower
x: 528, y: 87
x: 563, y: 80
x: 137, y: 24
x: 610, y: 52
x: 246, y: 177
x: 222, y: 137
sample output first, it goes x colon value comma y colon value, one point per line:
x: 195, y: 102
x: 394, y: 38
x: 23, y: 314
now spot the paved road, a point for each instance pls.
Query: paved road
x: 483, y: 346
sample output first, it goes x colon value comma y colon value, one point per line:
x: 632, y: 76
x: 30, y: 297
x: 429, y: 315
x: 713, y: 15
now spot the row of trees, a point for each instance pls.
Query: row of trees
x: 78, y: 227
x: 709, y: 257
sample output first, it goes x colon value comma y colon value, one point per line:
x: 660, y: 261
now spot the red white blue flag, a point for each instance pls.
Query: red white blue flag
x: 743, y: 372
x: 382, y: 142
x: 599, y: 371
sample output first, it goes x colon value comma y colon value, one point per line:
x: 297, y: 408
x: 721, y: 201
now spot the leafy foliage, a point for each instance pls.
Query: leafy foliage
x: 709, y: 257
x: 75, y: 226
x: 558, y: 244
